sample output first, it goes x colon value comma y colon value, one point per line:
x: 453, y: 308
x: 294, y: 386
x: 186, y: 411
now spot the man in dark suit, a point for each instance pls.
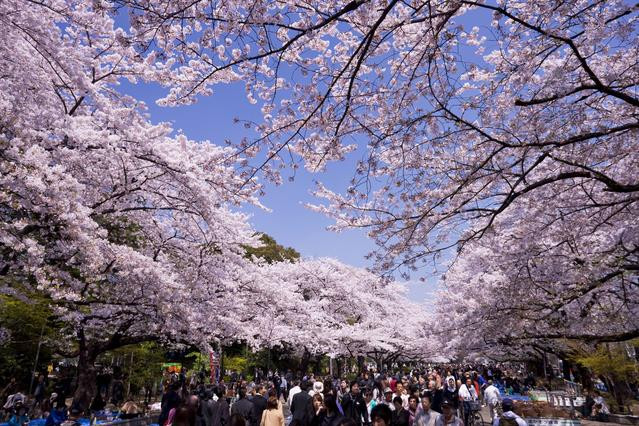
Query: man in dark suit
x: 259, y: 403
x: 301, y: 406
x: 244, y: 407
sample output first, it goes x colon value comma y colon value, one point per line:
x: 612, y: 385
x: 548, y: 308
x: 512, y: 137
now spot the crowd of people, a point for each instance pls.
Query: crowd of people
x: 53, y: 408
x: 426, y: 396
x: 430, y: 397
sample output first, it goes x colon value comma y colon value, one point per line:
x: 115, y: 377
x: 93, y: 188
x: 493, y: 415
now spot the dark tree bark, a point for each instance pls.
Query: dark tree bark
x: 305, y: 361
x: 339, y: 365
x: 87, y: 378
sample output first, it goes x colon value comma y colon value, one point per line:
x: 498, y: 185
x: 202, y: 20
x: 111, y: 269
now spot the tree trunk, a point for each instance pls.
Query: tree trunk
x: 87, y: 379
x: 305, y: 361
x: 318, y: 365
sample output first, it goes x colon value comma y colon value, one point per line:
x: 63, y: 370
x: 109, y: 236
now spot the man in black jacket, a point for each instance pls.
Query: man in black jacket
x: 206, y: 409
x: 400, y: 415
x: 301, y: 406
x: 221, y: 408
x: 354, y: 405
x: 171, y: 399
x: 259, y: 403
x: 244, y: 407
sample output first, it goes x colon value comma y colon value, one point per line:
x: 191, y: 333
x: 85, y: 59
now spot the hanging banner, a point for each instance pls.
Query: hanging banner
x: 214, y: 364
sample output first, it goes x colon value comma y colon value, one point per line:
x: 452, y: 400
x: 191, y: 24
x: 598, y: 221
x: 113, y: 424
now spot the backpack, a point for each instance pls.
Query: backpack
x: 508, y: 421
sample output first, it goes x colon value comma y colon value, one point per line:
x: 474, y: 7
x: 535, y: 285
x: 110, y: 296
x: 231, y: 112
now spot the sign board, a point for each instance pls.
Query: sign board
x: 538, y: 421
x: 172, y: 367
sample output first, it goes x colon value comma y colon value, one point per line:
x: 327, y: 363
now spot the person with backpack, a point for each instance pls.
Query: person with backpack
x: 508, y: 418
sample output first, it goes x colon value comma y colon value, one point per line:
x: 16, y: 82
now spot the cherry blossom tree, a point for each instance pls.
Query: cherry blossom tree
x: 126, y: 228
x: 323, y: 306
x: 460, y: 107
x: 514, y: 293
x: 465, y: 111
x: 481, y: 124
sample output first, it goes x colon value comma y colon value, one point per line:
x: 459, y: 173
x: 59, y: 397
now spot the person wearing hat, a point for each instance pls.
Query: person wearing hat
x: 18, y: 414
x: 450, y: 392
x: 388, y: 398
x: 508, y: 417
x: 448, y: 417
x: 58, y: 413
x: 318, y: 388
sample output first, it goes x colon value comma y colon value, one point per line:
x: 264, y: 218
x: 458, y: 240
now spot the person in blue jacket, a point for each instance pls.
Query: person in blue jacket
x: 58, y: 413
x: 19, y: 415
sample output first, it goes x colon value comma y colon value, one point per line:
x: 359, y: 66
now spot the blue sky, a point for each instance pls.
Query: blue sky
x: 289, y: 222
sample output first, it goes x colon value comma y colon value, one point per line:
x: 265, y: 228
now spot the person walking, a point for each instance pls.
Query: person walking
x: 450, y: 393
x: 292, y: 392
x: 260, y: 402
x: 170, y: 400
x: 413, y: 409
x: 381, y: 415
x: 39, y: 395
x: 508, y: 417
x: 244, y: 408
x: 332, y: 416
x: 301, y: 406
x: 467, y: 394
x: 400, y: 415
x: 354, y: 405
x: 221, y: 416
x: 492, y: 397
x: 448, y: 416
x: 272, y: 416
x: 427, y: 416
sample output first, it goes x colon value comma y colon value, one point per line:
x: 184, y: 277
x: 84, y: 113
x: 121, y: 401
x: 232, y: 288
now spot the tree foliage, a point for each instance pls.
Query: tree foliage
x: 27, y: 323
x: 610, y: 360
x: 270, y: 251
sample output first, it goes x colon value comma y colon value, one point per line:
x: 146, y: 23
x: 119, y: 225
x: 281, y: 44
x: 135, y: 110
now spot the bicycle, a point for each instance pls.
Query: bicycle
x: 475, y: 419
